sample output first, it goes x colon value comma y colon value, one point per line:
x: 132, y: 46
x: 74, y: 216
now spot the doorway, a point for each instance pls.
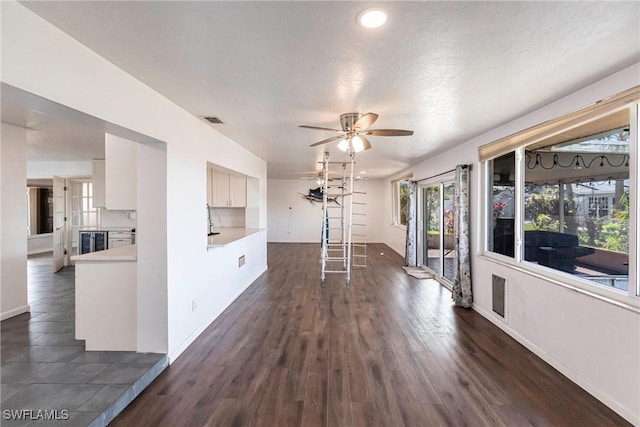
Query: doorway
x: 436, y: 221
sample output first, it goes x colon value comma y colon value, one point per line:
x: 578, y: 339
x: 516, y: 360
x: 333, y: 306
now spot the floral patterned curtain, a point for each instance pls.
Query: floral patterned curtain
x: 410, y: 249
x: 461, y: 293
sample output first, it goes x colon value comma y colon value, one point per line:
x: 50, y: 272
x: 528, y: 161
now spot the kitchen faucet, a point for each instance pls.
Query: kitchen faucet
x: 211, y: 232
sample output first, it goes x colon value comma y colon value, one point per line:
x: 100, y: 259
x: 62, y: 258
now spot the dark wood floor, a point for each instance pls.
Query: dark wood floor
x: 388, y: 351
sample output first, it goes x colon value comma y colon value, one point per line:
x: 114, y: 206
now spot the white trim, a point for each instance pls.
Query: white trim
x: 518, y: 226
x: 395, y: 200
x: 634, y: 193
x: 39, y: 236
x: 623, y: 411
x: 39, y: 251
x: 15, y: 312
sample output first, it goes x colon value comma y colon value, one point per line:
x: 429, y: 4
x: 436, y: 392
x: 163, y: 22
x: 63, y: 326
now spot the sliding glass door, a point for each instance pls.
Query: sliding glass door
x: 449, y: 220
x: 437, y: 220
x: 431, y: 226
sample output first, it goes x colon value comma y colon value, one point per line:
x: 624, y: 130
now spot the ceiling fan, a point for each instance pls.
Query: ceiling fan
x: 354, y: 128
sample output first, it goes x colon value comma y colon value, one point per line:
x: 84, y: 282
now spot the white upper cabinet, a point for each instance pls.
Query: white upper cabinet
x: 226, y: 190
x: 120, y: 173
x: 237, y: 191
x: 98, y: 183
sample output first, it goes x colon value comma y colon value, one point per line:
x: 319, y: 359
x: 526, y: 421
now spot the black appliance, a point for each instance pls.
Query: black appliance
x: 93, y: 241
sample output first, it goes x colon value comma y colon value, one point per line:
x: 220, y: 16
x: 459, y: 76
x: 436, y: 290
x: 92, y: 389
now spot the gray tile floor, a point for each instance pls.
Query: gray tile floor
x: 43, y: 366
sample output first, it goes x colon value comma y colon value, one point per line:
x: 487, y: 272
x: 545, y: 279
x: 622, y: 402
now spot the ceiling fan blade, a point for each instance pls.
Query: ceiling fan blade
x: 324, y: 141
x: 365, y: 121
x: 388, y: 132
x: 365, y: 142
x: 319, y: 128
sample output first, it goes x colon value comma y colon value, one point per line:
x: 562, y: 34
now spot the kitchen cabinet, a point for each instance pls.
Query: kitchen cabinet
x: 226, y: 190
x: 97, y: 176
x: 121, y: 238
x: 114, y: 179
x: 106, y: 315
x: 120, y: 173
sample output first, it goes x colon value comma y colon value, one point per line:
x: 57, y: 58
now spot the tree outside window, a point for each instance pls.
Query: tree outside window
x: 403, y: 202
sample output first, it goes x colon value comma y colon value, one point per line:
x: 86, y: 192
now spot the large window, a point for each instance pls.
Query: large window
x: 563, y: 202
x: 502, y: 207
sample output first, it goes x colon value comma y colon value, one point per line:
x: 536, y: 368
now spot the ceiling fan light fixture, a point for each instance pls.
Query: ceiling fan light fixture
x: 343, y: 145
x: 357, y: 144
x: 372, y: 18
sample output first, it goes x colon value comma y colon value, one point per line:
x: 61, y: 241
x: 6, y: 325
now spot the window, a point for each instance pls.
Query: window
x: 83, y: 213
x: 567, y: 196
x: 502, y: 210
x: 598, y: 206
x: 400, y: 201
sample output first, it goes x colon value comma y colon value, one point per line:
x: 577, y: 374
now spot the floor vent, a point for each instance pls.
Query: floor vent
x: 498, y: 294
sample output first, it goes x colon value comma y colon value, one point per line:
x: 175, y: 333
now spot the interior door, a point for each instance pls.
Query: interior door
x: 58, y: 223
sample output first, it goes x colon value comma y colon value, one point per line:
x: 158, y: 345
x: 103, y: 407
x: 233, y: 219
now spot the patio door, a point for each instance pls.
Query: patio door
x: 436, y: 216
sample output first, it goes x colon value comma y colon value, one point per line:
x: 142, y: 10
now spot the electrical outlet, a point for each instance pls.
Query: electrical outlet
x: 194, y: 305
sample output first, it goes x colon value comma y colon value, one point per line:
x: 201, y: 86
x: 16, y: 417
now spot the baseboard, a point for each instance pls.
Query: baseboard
x: 39, y: 251
x: 14, y: 312
x: 624, y: 412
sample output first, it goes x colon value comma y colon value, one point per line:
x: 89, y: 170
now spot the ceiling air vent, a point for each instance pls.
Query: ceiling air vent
x: 214, y: 120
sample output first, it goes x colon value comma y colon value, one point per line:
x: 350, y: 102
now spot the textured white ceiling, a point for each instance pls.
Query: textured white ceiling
x: 447, y: 70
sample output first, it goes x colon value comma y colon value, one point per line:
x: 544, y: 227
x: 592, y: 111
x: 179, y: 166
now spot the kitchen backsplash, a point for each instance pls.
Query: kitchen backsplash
x: 117, y: 219
x: 227, y: 217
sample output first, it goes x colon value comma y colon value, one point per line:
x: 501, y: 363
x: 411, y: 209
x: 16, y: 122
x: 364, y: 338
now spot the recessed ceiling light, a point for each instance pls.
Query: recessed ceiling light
x: 362, y: 172
x: 372, y: 18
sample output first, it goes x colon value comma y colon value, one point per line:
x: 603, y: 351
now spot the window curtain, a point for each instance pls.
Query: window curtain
x: 461, y: 293
x: 410, y: 257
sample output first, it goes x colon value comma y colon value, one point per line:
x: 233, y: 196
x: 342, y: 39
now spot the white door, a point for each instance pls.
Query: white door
x: 58, y: 223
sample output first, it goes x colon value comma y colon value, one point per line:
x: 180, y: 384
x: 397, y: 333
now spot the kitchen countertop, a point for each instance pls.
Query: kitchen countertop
x: 106, y: 228
x: 121, y: 253
x: 229, y: 235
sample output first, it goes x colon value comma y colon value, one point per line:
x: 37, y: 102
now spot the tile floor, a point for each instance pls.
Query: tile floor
x: 43, y: 366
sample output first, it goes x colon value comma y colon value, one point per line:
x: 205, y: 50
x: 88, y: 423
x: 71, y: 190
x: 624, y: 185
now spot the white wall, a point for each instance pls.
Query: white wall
x: 40, y: 59
x: 63, y: 169
x: 593, y: 342
x: 13, y: 221
x: 292, y: 218
x: 151, y: 242
x: 39, y: 243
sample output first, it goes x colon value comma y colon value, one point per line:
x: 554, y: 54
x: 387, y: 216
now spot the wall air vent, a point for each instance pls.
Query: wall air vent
x: 214, y: 120
x: 498, y: 295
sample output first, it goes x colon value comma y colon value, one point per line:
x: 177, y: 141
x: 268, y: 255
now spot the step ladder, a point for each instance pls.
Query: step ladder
x: 359, y: 224
x: 339, y: 208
